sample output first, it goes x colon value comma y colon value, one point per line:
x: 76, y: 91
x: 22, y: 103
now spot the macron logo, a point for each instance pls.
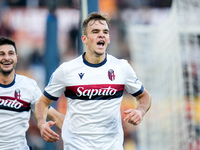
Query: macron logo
x: 81, y: 75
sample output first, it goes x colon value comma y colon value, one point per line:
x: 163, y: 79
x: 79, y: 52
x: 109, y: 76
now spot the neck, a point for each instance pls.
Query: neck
x: 5, y: 80
x: 94, y: 59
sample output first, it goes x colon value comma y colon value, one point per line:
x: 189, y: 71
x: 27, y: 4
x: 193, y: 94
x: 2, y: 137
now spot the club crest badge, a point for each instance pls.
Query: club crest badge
x: 111, y: 74
x: 17, y: 94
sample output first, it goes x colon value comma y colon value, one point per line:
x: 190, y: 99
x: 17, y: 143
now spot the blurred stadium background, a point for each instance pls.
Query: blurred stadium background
x: 161, y: 39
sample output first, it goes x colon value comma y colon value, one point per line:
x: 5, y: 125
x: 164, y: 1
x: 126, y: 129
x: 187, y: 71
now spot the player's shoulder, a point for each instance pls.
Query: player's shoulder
x: 72, y: 62
x: 24, y: 79
x: 114, y: 59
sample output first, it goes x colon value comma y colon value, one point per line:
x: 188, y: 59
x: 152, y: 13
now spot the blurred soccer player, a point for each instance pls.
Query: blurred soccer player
x: 18, y: 95
x: 93, y: 84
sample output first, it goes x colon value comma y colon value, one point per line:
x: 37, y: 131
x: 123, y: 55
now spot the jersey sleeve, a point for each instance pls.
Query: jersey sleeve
x: 56, y: 86
x: 132, y: 84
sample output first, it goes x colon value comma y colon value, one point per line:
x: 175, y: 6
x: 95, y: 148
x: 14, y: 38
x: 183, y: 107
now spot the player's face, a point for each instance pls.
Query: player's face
x: 8, y: 59
x: 97, y: 38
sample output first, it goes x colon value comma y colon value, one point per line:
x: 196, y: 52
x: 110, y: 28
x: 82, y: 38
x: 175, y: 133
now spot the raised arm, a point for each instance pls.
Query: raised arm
x: 135, y: 116
x: 41, y: 110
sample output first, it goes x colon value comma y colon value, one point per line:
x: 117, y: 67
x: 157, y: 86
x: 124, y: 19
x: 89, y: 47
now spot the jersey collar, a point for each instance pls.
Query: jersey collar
x: 94, y: 65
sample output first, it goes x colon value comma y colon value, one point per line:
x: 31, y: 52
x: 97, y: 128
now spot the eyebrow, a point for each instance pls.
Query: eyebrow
x: 99, y: 30
x: 2, y: 51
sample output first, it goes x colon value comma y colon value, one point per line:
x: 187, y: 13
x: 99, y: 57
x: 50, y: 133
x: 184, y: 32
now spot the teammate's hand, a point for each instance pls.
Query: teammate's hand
x: 133, y: 116
x: 47, y: 133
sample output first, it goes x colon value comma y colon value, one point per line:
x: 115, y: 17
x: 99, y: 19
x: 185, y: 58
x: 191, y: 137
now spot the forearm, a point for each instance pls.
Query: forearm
x: 144, y: 102
x: 41, y: 109
x: 55, y: 116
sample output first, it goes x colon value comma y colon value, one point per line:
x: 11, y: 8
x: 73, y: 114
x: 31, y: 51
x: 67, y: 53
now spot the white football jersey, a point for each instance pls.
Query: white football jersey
x: 16, y: 102
x: 94, y: 93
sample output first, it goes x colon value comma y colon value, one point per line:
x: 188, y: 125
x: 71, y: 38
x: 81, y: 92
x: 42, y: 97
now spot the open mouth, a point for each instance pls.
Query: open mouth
x: 101, y: 43
x: 6, y: 63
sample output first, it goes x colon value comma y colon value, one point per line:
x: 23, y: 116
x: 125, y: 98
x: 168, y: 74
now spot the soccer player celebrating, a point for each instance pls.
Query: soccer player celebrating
x: 93, y: 84
x: 18, y: 95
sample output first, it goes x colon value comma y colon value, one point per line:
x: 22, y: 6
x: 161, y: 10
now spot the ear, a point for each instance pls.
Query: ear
x: 84, y: 39
x: 17, y: 58
x: 108, y: 39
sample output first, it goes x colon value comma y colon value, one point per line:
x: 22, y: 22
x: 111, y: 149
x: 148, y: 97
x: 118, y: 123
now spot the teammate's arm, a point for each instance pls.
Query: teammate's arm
x: 135, y: 116
x: 41, y: 110
x: 55, y: 116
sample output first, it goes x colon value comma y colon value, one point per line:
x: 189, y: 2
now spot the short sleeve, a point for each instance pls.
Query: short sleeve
x: 133, y: 85
x: 56, y: 86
